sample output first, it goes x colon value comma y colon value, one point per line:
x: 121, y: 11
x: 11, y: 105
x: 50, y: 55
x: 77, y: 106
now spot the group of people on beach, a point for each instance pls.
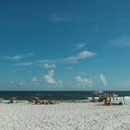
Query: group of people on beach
x: 108, y: 98
x: 36, y: 100
x: 39, y: 101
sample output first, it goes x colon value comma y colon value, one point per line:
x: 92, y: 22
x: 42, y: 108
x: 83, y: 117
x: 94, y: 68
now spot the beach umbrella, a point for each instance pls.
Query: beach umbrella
x: 97, y: 92
x: 13, y: 98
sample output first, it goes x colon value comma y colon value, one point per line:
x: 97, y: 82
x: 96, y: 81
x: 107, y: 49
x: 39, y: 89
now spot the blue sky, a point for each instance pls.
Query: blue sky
x: 64, y: 45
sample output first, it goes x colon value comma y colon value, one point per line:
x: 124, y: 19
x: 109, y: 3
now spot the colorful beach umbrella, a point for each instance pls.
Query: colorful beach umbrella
x: 97, y: 92
x: 13, y: 98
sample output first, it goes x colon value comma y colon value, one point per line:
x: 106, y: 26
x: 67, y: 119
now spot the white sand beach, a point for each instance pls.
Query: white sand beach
x: 64, y: 116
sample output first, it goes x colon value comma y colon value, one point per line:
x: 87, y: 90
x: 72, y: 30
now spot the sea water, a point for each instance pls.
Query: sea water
x: 57, y: 95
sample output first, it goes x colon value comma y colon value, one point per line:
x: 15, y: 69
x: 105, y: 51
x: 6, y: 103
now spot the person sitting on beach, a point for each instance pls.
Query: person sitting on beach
x: 100, y: 99
x: 92, y: 100
x: 36, y: 101
x: 106, y: 99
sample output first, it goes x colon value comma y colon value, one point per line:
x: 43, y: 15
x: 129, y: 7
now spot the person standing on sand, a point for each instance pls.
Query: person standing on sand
x: 123, y: 101
x: 105, y: 99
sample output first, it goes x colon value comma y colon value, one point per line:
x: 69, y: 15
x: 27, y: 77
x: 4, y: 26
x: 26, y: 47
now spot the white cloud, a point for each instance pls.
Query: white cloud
x: 72, y: 59
x: 49, y: 78
x: 122, y: 41
x: 29, y: 84
x: 24, y: 64
x: 34, y: 79
x: 59, y: 18
x: 81, y: 55
x: 49, y: 66
x: 17, y: 57
x: 79, y: 46
x: 23, y: 82
x: 102, y: 79
x: 83, y: 82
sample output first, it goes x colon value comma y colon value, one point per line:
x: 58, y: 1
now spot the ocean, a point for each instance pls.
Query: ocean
x: 54, y: 95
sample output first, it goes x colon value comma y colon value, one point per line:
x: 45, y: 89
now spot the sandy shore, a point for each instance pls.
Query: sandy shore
x: 64, y: 116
